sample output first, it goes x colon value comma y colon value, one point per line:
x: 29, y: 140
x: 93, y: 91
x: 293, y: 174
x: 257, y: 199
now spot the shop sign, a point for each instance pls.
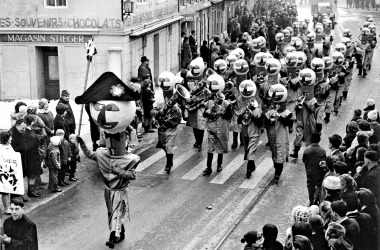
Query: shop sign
x: 42, y: 38
x: 189, y: 18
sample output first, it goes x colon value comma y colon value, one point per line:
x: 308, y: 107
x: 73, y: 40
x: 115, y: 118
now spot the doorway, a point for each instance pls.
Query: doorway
x: 51, y: 72
x: 156, y: 57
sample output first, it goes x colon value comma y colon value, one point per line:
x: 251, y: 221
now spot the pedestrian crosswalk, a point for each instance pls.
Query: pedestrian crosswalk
x: 194, y: 162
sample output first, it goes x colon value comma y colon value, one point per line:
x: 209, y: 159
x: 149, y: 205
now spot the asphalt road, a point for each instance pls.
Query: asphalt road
x: 169, y: 211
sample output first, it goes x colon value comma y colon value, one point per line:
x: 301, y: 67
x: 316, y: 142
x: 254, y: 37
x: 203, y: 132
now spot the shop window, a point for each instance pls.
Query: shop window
x: 56, y: 3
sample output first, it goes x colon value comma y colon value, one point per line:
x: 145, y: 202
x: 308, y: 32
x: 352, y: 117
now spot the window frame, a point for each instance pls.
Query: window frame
x: 144, y: 2
x: 46, y: 6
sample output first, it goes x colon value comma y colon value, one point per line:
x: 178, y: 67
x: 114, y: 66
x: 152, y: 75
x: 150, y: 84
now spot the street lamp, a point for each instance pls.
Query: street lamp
x: 127, y: 7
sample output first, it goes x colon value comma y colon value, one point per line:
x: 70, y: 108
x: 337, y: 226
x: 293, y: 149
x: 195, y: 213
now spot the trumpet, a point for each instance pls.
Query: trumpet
x: 300, y: 100
x: 215, y: 112
x: 247, y: 113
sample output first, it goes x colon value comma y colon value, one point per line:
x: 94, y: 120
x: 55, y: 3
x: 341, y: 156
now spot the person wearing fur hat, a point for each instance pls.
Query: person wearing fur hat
x: 218, y: 115
x: 251, y: 120
x: 312, y: 157
x: 301, y: 242
x: 70, y: 118
x: 53, y: 161
x: 251, y: 239
x: 341, y: 243
x: 60, y: 121
x: 334, y: 230
x: 375, y: 126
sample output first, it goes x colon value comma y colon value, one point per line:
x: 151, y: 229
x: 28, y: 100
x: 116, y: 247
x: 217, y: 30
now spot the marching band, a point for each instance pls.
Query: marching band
x: 251, y: 89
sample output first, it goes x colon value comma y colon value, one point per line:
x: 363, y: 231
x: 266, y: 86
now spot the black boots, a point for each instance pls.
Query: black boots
x: 235, y: 138
x: 114, y: 240
x: 364, y: 73
x: 327, y: 118
x: 278, y: 170
x: 295, y: 152
x: 208, y: 169
x: 250, y: 168
x: 345, y: 95
x: 169, y: 162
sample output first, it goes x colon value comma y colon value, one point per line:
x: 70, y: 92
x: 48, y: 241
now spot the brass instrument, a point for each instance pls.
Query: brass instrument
x: 247, y: 112
x: 170, y: 115
x: 300, y: 100
x: 198, y: 98
x: 215, y: 112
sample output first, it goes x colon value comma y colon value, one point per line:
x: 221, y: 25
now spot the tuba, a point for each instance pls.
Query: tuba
x: 300, y: 100
x: 198, y: 97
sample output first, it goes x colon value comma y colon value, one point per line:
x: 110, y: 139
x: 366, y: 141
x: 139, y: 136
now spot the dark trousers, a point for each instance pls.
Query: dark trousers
x: 53, y: 178
x: 314, y: 189
x: 251, y: 165
x: 62, y: 172
x: 210, y: 156
x: 73, y: 168
x: 278, y: 169
x: 198, y: 134
x: 169, y: 160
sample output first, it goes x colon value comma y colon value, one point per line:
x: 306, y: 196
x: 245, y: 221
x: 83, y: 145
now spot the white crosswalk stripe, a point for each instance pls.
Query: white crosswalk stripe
x: 229, y: 170
x: 197, y: 170
x: 149, y: 161
x: 258, y: 174
x: 179, y: 160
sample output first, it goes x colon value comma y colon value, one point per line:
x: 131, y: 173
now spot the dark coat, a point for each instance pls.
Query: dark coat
x: 23, y: 233
x: 367, y: 230
x: 205, y: 53
x: 186, y: 54
x: 60, y: 122
x: 352, y: 231
x: 374, y: 212
x: 144, y: 70
x: 69, y: 116
x: 375, y: 138
x: 312, y: 155
x: 318, y: 239
x: 147, y: 96
x: 371, y: 180
x: 27, y: 145
x: 48, y: 119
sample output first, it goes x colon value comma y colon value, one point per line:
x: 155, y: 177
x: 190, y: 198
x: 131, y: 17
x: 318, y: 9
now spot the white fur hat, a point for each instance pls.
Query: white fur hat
x: 55, y: 140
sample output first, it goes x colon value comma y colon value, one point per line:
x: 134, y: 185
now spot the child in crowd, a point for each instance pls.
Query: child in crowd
x: 65, y: 151
x: 53, y: 161
x: 74, y: 150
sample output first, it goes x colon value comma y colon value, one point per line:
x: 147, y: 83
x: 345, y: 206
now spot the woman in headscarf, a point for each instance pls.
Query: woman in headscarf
x: 20, y: 112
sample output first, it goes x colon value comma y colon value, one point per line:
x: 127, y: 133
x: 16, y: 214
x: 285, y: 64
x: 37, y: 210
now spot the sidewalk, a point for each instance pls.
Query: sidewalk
x: 86, y: 169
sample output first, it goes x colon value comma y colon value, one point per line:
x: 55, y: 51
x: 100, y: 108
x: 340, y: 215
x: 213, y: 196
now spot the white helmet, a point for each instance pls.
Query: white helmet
x: 241, y: 67
x: 273, y: 66
x: 278, y: 93
x: 216, y: 83
x: 220, y: 66
x: 247, y: 88
x: 307, y: 77
x: 166, y: 80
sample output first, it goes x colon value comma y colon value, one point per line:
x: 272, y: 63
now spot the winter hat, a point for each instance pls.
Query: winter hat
x: 59, y: 132
x: 72, y: 136
x: 370, y: 104
x: 55, y: 140
x: 372, y: 115
x: 301, y: 242
x: 335, y: 230
x: 301, y: 214
x: 60, y: 108
x: 363, y: 125
x: 250, y: 237
x: 332, y: 182
x: 346, y: 181
x: 314, y: 210
x: 342, y: 243
x: 65, y: 93
x: 42, y: 103
x: 22, y: 109
x: 32, y: 109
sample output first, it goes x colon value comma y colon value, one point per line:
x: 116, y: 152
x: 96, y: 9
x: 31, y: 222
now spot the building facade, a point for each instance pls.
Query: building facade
x: 42, y: 43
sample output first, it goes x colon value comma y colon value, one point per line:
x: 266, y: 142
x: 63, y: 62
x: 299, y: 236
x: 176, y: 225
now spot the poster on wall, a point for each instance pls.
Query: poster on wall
x: 11, y: 176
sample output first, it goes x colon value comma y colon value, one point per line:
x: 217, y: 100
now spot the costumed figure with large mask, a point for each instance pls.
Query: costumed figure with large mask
x: 312, y: 50
x: 303, y: 28
x: 218, y: 115
x: 278, y: 121
x: 241, y: 69
x: 364, y: 37
x: 169, y: 115
x: 280, y: 45
x: 112, y: 107
x: 321, y: 91
x: 368, y: 55
x: 338, y: 60
x: 251, y: 121
x: 305, y: 111
x: 293, y: 86
x: 348, y: 64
